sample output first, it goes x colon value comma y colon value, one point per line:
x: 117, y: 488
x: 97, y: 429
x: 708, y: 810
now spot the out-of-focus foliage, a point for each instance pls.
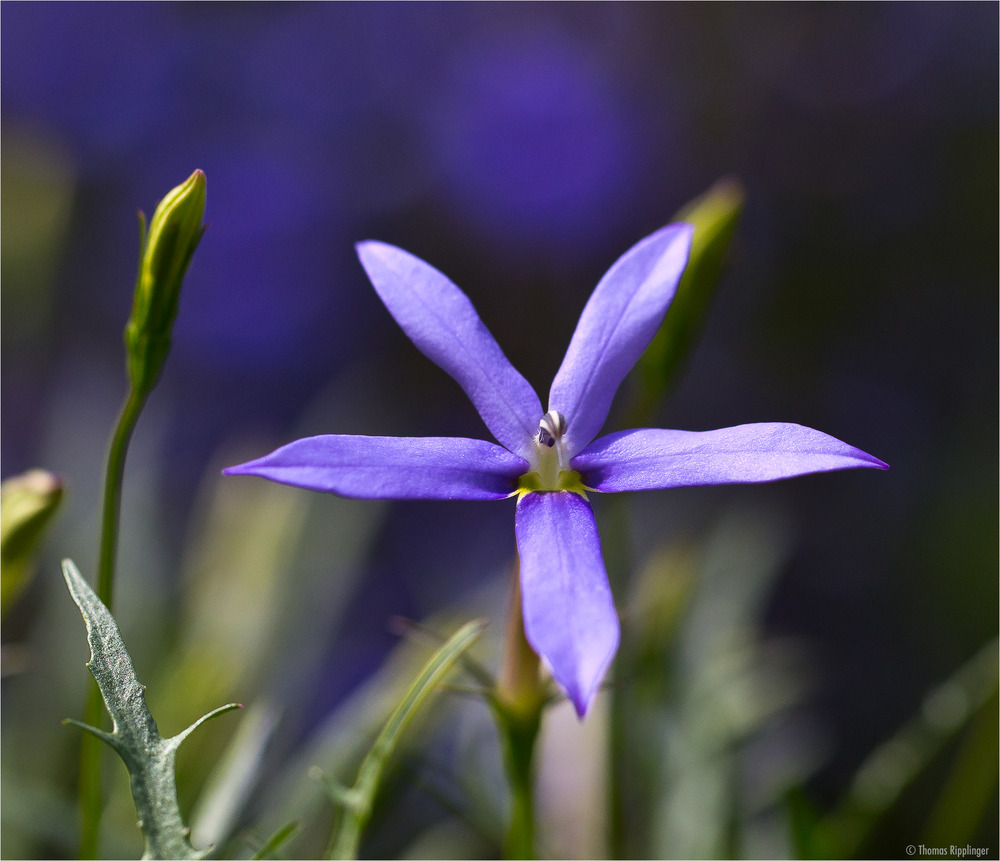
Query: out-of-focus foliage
x: 966, y: 703
x: 37, y: 196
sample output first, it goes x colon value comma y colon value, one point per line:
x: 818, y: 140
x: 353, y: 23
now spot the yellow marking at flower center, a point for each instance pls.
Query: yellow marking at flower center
x: 567, y: 479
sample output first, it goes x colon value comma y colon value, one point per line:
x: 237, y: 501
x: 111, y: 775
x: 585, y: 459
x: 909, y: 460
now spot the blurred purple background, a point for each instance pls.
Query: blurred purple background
x: 521, y: 148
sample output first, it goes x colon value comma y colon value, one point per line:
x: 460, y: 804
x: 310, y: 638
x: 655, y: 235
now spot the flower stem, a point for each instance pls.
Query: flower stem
x: 518, y: 707
x: 111, y: 513
x: 90, y: 795
x: 519, y: 735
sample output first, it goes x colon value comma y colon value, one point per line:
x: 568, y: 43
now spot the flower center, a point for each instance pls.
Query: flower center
x: 551, y: 465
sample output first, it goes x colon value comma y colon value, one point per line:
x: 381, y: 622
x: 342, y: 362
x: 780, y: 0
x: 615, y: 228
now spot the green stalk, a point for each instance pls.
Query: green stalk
x: 519, y: 734
x: 111, y: 512
x: 90, y: 794
x: 91, y: 804
x: 517, y: 708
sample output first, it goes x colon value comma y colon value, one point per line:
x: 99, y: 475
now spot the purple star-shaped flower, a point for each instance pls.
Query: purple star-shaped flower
x: 549, y: 459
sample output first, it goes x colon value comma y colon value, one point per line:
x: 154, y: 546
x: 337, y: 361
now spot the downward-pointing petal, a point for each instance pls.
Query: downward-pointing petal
x: 617, y: 324
x: 745, y: 454
x: 441, y: 321
x: 378, y: 467
x: 569, y: 614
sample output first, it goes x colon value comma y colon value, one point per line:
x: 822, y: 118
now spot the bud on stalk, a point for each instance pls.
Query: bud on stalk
x: 165, y: 252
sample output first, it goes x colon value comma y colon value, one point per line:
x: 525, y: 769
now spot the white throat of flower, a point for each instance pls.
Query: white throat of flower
x: 551, y: 470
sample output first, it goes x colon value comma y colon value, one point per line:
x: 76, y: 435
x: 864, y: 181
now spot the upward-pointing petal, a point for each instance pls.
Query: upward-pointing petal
x: 442, y: 322
x: 617, y: 324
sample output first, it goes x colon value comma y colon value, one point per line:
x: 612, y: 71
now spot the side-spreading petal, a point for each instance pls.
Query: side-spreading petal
x: 441, y: 321
x: 745, y: 454
x: 617, y: 324
x: 378, y: 467
x: 569, y: 614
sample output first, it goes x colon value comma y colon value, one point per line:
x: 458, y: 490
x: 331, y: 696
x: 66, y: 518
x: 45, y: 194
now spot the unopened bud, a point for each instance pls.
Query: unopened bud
x: 27, y: 503
x: 166, y: 251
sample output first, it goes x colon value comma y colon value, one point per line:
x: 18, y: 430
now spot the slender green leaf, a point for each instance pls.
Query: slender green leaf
x: 418, y: 631
x: 148, y: 756
x: 356, y: 802
x: 276, y: 841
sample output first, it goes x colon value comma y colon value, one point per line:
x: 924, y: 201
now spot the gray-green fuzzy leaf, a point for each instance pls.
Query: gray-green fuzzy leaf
x: 148, y: 756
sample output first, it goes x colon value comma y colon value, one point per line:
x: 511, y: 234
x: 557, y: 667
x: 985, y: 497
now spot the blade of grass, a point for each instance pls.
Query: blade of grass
x: 356, y: 802
x: 276, y: 840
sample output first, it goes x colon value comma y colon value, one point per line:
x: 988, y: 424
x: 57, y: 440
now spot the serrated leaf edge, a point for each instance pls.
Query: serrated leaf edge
x: 148, y: 756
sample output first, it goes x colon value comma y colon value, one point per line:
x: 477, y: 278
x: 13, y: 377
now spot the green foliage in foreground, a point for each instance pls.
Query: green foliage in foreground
x: 148, y: 756
x: 357, y: 801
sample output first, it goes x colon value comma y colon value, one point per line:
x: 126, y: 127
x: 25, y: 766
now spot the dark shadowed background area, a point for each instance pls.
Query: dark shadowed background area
x: 520, y: 149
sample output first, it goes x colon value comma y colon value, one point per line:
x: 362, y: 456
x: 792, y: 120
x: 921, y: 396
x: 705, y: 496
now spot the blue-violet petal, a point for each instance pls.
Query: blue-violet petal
x: 569, y: 614
x: 442, y: 322
x: 617, y: 324
x: 378, y: 467
x: 650, y: 459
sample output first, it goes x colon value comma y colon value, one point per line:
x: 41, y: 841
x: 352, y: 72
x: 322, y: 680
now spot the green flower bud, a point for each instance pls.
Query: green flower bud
x: 27, y: 503
x: 165, y: 252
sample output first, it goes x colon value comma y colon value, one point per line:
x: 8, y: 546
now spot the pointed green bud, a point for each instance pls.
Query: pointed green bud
x: 27, y: 504
x: 165, y: 252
